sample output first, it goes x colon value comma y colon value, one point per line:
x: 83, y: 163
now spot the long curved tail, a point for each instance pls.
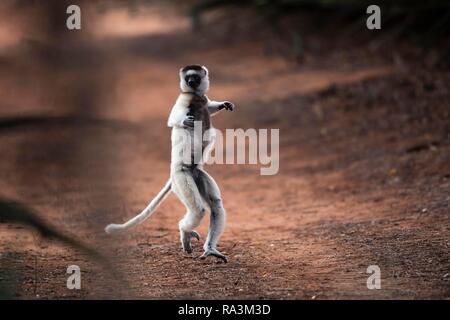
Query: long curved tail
x: 147, y: 212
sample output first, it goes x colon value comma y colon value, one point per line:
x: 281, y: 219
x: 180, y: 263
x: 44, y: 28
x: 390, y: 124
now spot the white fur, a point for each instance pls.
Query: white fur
x: 179, y: 110
x: 182, y: 182
x: 146, y: 213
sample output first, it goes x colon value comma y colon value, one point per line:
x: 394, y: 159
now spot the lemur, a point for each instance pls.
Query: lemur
x: 195, y: 188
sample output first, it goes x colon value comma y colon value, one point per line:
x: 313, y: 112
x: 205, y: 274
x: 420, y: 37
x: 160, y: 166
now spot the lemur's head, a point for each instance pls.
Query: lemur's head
x: 194, y: 78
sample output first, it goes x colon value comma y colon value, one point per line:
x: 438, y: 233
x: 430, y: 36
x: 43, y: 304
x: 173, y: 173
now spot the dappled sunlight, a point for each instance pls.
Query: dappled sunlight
x: 10, y: 28
x: 123, y: 22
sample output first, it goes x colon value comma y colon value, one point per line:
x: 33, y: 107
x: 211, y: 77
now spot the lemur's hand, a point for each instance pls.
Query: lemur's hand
x: 189, y: 121
x: 227, y: 105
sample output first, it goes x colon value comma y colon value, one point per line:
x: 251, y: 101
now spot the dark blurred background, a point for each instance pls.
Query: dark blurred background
x: 364, y: 124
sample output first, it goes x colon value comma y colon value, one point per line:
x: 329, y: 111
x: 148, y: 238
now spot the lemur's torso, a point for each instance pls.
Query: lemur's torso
x: 189, y: 104
x: 198, y: 108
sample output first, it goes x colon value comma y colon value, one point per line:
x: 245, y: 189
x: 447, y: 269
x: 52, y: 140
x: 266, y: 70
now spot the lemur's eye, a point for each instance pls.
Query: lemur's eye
x: 192, y: 77
x: 193, y: 80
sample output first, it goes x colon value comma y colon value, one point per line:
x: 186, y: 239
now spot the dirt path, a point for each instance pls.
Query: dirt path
x: 364, y: 170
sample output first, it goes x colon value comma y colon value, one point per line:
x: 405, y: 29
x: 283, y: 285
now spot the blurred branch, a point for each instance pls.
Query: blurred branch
x: 15, y: 213
x: 203, y: 6
x: 7, y: 123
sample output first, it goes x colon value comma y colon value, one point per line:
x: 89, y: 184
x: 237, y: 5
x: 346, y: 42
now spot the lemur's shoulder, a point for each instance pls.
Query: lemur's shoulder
x: 184, y: 100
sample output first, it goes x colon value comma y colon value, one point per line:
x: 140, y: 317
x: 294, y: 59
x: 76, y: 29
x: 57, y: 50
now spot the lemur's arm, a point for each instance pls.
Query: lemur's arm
x: 215, y: 106
x: 179, y: 119
x: 178, y: 116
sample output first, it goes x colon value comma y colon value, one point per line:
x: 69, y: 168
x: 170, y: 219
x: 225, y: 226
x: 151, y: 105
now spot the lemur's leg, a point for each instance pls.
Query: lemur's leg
x: 210, y: 192
x: 185, y: 188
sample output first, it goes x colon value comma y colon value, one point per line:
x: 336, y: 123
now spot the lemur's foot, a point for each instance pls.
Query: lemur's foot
x: 186, y: 240
x: 195, y: 234
x: 214, y: 252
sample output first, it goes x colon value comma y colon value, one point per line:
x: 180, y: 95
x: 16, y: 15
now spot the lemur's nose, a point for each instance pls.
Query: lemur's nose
x: 192, y: 83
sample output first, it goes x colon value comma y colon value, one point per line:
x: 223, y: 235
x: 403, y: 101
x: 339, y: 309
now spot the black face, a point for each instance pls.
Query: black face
x: 193, y: 80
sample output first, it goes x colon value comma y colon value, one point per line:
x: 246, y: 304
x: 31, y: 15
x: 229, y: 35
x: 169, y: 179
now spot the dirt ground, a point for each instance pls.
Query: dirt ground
x: 364, y: 173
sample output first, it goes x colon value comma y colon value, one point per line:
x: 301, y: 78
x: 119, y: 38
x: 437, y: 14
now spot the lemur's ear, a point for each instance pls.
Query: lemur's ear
x: 206, y: 70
